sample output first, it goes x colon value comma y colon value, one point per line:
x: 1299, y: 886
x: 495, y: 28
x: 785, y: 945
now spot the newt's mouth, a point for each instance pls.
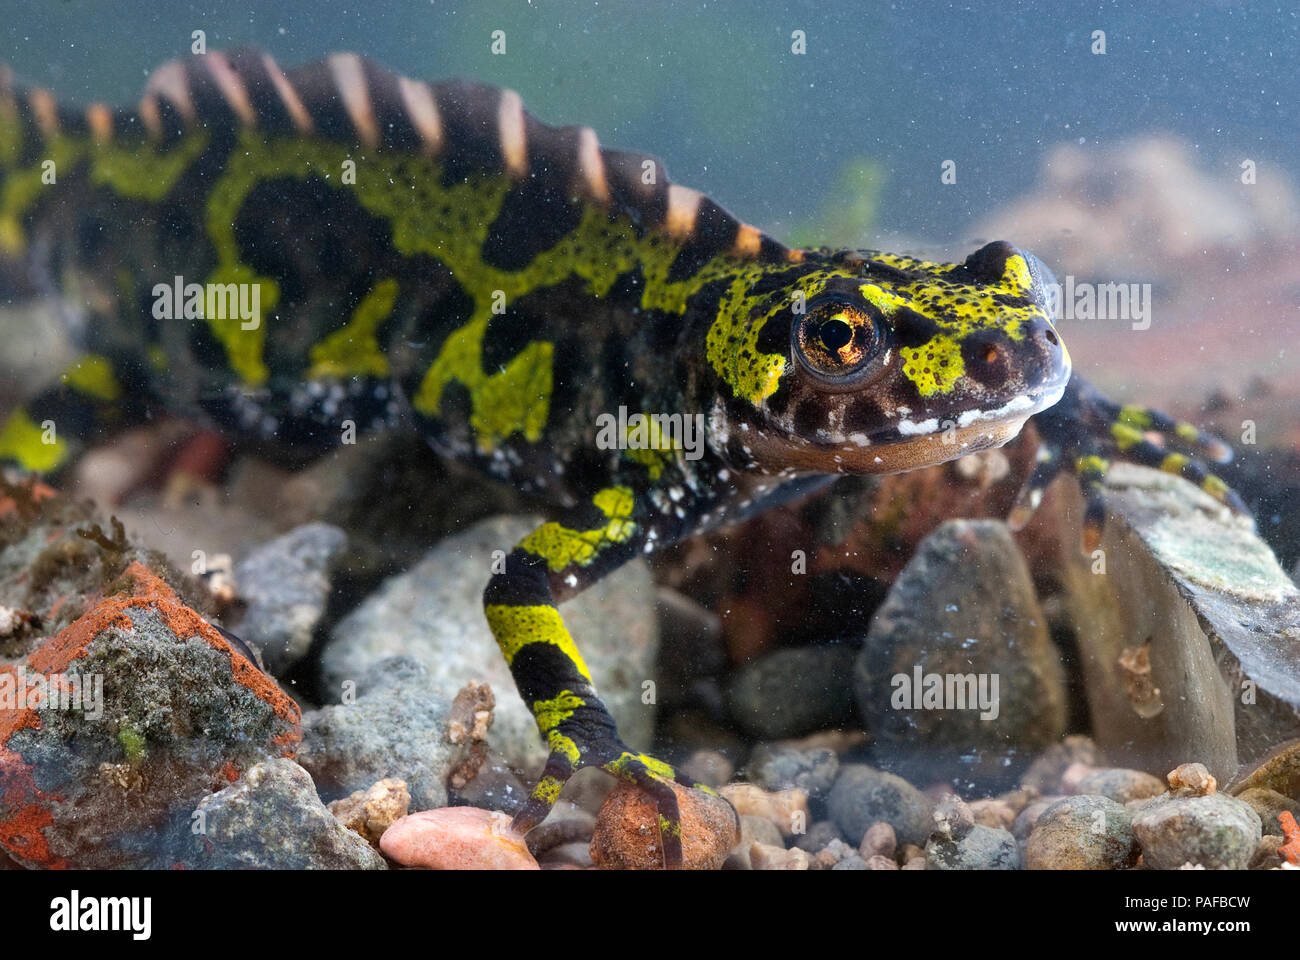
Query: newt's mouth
x: 912, y: 445
x: 1018, y: 410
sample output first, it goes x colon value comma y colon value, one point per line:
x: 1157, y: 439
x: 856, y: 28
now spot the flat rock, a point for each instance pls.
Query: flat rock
x: 1190, y: 638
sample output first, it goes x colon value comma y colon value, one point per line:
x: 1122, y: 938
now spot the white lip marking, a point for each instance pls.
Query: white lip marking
x: 1016, y: 404
x: 909, y: 428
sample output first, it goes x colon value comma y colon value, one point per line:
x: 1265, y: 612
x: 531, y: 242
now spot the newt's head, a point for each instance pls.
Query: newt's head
x: 861, y: 362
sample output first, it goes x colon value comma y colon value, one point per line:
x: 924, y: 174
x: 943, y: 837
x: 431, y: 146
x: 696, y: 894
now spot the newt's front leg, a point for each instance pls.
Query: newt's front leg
x: 1085, y: 432
x: 554, y: 562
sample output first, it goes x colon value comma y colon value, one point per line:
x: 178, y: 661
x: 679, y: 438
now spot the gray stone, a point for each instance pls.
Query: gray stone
x: 964, y: 607
x: 395, y: 727
x: 981, y: 848
x: 272, y: 819
x: 434, y: 613
x: 863, y: 795
x: 774, y: 766
x: 1217, y: 832
x: 286, y: 586
x: 1082, y: 833
x: 788, y: 693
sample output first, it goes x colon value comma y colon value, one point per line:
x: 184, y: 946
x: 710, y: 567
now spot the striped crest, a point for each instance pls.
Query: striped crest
x: 468, y: 127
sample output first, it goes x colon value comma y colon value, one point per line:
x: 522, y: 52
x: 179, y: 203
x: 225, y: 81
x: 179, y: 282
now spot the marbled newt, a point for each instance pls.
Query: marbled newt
x: 432, y: 254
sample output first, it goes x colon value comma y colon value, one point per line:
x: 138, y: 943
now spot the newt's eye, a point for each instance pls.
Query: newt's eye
x: 836, y: 341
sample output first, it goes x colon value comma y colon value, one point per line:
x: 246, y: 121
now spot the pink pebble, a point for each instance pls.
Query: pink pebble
x: 457, y: 838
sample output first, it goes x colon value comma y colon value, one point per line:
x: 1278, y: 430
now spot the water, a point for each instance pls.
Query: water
x: 714, y: 89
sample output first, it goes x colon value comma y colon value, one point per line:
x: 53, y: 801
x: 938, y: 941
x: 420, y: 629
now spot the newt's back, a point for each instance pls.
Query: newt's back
x: 289, y: 254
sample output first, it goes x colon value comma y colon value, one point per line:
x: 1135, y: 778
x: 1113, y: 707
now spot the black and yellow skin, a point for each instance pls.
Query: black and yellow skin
x: 433, y: 255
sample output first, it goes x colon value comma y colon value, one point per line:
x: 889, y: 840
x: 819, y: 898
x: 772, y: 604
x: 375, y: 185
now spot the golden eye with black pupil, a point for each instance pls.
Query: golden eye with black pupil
x: 836, y: 341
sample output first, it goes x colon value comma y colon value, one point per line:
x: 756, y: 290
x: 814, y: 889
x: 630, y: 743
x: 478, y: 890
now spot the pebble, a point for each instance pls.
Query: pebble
x: 786, y: 809
x: 371, y: 812
x: 1028, y: 817
x: 172, y: 711
x: 457, y: 838
x: 1082, y: 833
x: 863, y: 795
x: 766, y: 857
x: 833, y: 853
x: 708, y: 767
x: 993, y: 813
x: 1267, y: 855
x: 627, y: 832
x: 1194, y: 778
x: 980, y: 848
x: 752, y: 830
x: 879, y: 862
x: 853, y: 862
x: 1044, y: 774
x: 879, y: 840
x: 1120, y: 785
x: 911, y: 851
x: 953, y: 817
x: 1214, y: 832
x: 1074, y: 774
x: 775, y: 766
